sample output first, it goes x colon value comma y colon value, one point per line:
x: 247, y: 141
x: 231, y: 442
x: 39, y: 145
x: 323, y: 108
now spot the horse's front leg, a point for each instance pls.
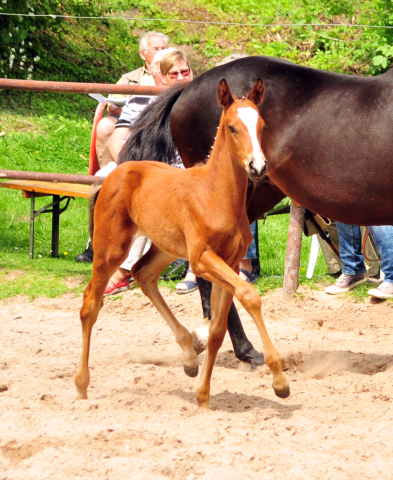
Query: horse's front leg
x: 146, y: 272
x: 220, y: 301
x: 242, y: 346
x: 213, y: 268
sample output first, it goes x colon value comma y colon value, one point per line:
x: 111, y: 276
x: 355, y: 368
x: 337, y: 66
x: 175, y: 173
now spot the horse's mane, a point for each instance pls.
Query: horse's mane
x: 151, y: 137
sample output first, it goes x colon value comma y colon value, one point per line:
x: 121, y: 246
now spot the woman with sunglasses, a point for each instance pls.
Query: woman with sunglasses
x: 175, y: 67
x: 168, y: 67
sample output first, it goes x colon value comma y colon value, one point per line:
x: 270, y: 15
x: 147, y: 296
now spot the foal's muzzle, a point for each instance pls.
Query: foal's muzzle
x: 257, y: 172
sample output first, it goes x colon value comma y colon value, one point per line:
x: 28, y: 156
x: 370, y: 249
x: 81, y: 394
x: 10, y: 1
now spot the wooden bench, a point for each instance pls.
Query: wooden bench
x: 59, y: 191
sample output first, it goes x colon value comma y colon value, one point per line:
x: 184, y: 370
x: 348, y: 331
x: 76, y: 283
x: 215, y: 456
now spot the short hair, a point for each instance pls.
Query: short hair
x: 146, y: 36
x: 170, y: 59
x: 159, y: 56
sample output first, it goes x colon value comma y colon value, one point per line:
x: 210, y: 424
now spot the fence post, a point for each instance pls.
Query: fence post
x: 294, y: 246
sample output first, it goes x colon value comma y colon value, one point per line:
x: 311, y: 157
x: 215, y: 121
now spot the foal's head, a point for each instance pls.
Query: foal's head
x: 244, y: 126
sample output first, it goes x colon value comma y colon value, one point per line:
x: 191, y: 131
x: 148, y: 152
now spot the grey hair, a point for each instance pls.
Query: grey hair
x: 231, y: 58
x: 143, y: 40
x: 159, y: 56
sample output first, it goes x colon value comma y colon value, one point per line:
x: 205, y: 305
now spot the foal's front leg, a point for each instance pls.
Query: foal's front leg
x: 147, y: 272
x: 216, y: 270
x: 242, y: 346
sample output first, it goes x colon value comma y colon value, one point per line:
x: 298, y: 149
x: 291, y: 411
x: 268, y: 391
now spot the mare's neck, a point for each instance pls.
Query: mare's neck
x: 225, y: 174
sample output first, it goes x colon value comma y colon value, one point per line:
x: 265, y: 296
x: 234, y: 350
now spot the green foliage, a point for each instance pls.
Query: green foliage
x: 47, y: 47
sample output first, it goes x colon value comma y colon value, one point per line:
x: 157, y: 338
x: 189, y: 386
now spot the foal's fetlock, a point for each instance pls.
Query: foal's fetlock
x: 200, y: 337
x: 203, y: 397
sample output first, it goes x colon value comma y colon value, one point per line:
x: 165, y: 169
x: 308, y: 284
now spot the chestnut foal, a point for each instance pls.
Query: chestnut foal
x: 209, y: 227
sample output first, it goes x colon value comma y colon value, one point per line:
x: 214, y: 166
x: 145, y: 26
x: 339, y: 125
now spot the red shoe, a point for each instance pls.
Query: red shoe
x: 119, y: 286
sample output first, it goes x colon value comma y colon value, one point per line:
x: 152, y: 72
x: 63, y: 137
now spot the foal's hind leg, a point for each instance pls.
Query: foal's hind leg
x: 147, y: 272
x: 216, y: 270
x: 110, y: 251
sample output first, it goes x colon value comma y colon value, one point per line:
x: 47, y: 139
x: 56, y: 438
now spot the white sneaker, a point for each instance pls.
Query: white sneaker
x: 346, y: 282
x: 384, y: 291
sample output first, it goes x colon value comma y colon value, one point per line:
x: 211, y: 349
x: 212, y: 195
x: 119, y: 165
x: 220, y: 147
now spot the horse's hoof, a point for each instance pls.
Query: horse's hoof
x: 282, y: 393
x: 191, y: 371
x: 251, y: 356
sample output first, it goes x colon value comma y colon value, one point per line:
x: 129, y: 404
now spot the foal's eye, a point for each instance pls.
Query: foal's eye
x: 232, y: 129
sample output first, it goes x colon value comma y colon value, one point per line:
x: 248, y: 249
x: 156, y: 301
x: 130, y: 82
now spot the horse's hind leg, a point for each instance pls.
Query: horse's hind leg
x: 110, y: 251
x: 147, y: 272
x: 216, y: 270
x: 220, y: 302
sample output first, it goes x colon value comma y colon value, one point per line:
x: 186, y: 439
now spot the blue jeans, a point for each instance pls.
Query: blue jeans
x: 351, y: 248
x: 252, y: 249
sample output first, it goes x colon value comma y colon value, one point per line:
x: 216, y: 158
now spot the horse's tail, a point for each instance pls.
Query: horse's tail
x: 151, y: 137
x: 94, y: 191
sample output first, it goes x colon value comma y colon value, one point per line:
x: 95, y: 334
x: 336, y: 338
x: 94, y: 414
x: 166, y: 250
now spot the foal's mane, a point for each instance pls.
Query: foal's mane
x: 151, y: 137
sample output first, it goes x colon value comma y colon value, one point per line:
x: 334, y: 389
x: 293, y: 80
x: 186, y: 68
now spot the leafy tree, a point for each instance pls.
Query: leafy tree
x: 46, y: 47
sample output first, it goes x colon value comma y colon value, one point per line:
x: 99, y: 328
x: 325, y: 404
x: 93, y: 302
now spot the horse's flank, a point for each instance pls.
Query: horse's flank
x: 328, y: 137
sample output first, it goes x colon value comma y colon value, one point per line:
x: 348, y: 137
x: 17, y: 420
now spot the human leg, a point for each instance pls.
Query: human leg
x: 245, y: 265
x: 354, y: 272
x: 105, y: 129
x: 188, y: 285
x: 383, y: 238
x: 116, y: 141
x: 121, y: 280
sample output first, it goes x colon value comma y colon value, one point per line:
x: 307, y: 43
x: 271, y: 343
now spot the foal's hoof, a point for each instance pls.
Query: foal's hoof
x: 282, y: 393
x: 191, y: 371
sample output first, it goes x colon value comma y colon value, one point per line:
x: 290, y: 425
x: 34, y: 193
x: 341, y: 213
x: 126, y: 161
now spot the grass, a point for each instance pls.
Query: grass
x: 52, y: 143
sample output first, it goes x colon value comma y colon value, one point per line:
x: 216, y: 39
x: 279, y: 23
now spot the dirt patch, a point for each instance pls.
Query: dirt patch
x: 141, y: 420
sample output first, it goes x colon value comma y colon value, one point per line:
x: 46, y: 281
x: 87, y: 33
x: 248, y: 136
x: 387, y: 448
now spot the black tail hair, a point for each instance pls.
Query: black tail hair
x: 151, y: 137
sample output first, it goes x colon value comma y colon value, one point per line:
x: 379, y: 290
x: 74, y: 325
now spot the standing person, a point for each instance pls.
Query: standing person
x: 150, y: 44
x: 174, y: 67
x: 354, y: 271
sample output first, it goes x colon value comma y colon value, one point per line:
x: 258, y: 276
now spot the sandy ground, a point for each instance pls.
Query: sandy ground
x: 142, y: 422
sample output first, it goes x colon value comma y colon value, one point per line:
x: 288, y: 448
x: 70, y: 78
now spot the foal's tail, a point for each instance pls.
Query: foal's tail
x: 94, y: 191
x: 151, y: 137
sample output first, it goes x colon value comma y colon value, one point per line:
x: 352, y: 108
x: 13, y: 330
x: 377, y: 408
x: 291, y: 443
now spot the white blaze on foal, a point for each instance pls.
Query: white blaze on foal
x: 249, y: 117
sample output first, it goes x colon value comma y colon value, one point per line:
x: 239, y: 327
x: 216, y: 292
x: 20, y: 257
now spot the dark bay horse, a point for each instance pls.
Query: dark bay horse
x: 152, y: 199
x: 328, y: 137
x: 328, y: 141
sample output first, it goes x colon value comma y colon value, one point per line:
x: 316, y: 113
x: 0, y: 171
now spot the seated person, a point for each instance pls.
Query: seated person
x: 354, y: 271
x: 149, y: 45
x: 173, y: 67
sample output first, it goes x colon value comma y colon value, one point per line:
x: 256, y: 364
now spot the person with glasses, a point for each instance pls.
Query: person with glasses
x: 150, y: 44
x: 168, y: 67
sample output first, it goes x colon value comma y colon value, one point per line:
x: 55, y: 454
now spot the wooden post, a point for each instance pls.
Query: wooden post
x: 294, y: 246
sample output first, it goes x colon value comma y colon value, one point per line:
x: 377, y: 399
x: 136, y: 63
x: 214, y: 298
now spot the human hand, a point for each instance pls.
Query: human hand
x: 115, y: 111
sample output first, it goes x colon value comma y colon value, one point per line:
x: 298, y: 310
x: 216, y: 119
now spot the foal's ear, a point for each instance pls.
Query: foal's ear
x: 257, y: 93
x: 224, y: 94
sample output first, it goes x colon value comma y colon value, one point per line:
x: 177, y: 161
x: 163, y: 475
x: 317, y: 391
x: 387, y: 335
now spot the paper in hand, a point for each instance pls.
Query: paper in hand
x: 118, y: 102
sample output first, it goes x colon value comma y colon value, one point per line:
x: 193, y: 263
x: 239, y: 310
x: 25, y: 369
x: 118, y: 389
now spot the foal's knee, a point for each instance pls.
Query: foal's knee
x: 248, y: 296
